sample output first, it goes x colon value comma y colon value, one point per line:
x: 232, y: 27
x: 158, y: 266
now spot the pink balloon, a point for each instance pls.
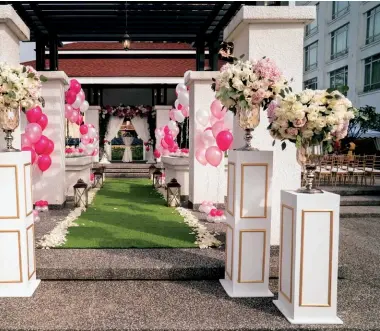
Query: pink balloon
x: 185, y: 112
x: 50, y: 148
x: 68, y: 111
x: 95, y: 152
x: 219, y: 212
x: 85, y: 139
x: 224, y: 140
x: 70, y: 96
x: 213, y: 120
x: 74, y: 116
x: 44, y: 162
x: 79, y: 121
x: 164, y: 144
x: 33, y: 131
x: 82, y: 95
x: 171, y: 114
x: 33, y: 115
x: 43, y: 122
x: 166, y: 129
x: 90, y: 125
x: 156, y: 154
x: 169, y: 139
x: 213, y: 212
x: 217, y: 109
x: 214, y: 155
x: 25, y: 142
x: 31, y: 150
x: 83, y: 129
x: 41, y: 145
x: 200, y: 155
x: 75, y: 86
x: 217, y: 127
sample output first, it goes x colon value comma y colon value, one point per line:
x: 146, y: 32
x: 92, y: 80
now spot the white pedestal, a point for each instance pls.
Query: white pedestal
x: 17, y: 248
x: 92, y: 117
x: 309, y: 258
x: 178, y: 168
x: 248, y: 224
x: 77, y: 168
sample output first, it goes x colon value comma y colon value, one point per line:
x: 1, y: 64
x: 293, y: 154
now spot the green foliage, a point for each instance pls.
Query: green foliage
x: 118, y: 152
x: 366, y: 119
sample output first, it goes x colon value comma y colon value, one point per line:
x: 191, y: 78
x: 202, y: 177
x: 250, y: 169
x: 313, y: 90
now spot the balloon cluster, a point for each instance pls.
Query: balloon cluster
x: 213, y: 214
x: 34, y: 141
x: 165, y: 136
x: 216, y: 138
x: 74, y: 152
x: 41, y: 205
x: 76, y: 106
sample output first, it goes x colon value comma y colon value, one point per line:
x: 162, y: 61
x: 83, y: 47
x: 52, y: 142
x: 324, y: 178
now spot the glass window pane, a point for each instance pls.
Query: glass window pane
x: 375, y: 72
x: 377, y: 23
x: 367, y: 75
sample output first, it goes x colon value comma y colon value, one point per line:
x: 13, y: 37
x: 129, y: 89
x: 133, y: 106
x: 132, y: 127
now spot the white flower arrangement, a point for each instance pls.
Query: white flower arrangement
x: 310, y: 117
x: 20, y: 86
x: 245, y: 86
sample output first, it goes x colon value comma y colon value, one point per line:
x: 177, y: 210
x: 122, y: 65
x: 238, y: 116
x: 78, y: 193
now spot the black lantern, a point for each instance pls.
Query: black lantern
x: 126, y: 38
x: 152, y: 169
x: 81, y: 194
x: 98, y: 173
x: 173, y: 190
x: 157, y: 178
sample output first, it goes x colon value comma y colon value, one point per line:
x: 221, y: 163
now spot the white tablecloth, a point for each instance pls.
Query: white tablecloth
x: 127, y: 157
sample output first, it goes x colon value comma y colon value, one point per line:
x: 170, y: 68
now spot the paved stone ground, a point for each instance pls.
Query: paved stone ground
x: 175, y: 305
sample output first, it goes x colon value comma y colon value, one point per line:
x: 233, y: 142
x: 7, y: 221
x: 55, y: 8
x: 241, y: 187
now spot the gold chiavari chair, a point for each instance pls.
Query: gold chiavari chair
x: 372, y: 168
x: 339, y: 170
x: 325, y: 167
x: 357, y: 170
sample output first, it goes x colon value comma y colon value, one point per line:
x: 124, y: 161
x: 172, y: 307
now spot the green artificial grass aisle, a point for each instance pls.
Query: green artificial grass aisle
x: 129, y: 213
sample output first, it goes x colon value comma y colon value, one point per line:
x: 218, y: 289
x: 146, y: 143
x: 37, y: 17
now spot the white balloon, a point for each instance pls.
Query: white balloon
x: 83, y: 108
x: 183, y: 98
x: 78, y: 102
x: 202, y: 117
x: 181, y: 87
x: 172, y: 125
x: 208, y: 138
x: 229, y: 120
x: 175, y: 132
x: 179, y: 116
x: 92, y: 133
x: 207, y: 209
x: 89, y: 148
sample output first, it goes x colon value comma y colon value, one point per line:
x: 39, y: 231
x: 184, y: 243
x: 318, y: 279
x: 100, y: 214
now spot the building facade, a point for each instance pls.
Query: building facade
x: 342, y: 47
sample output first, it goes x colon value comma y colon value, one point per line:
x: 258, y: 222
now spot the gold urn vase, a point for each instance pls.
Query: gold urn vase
x: 249, y: 119
x: 308, y: 157
x: 9, y: 121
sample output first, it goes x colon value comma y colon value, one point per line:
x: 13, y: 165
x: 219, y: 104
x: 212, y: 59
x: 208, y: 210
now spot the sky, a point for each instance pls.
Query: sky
x: 27, y: 51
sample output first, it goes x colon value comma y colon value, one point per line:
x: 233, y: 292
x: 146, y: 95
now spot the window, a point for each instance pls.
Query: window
x: 372, y: 73
x: 339, y: 77
x: 340, y: 8
x: 373, y: 25
x: 311, y: 84
x: 313, y: 26
x: 339, y: 42
x: 311, y: 52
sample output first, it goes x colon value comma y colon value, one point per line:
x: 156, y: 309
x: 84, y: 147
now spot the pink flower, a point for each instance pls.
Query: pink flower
x: 299, y: 123
x: 268, y: 69
x: 271, y: 110
x: 292, y: 131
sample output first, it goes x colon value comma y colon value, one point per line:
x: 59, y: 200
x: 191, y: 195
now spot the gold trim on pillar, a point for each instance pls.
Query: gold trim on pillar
x: 232, y: 253
x: 242, y: 189
x: 19, y: 257
x: 231, y: 212
x: 264, y: 254
x: 290, y: 296
x: 30, y: 275
x: 17, y: 198
x: 328, y: 304
x: 25, y: 189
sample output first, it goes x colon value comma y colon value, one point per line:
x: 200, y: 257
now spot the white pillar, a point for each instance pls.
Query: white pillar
x: 162, y: 115
x: 275, y: 32
x: 248, y: 224
x: 92, y: 117
x: 206, y: 183
x: 17, y: 249
x: 309, y: 258
x: 12, y: 31
x: 50, y: 186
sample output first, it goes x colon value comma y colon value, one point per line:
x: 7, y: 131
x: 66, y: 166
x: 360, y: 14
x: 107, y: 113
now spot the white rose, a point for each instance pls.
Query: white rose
x: 331, y: 119
x: 238, y: 84
x: 312, y: 116
x: 320, y: 122
x: 307, y: 133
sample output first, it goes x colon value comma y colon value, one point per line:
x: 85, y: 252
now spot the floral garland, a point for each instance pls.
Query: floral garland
x: 126, y: 111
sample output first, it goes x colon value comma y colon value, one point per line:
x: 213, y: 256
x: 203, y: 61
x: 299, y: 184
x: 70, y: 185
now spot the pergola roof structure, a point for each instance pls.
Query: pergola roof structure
x: 197, y: 23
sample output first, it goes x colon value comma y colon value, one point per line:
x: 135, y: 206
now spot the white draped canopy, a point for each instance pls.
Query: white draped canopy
x: 141, y: 127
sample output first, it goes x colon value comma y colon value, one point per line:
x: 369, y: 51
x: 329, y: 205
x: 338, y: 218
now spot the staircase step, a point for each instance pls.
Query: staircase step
x: 127, y: 165
x: 359, y: 211
x: 127, y: 170
x: 127, y: 175
x: 352, y: 190
x: 360, y: 200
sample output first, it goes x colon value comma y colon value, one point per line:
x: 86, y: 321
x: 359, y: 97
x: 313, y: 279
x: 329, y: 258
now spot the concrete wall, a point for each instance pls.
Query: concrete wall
x: 128, y: 96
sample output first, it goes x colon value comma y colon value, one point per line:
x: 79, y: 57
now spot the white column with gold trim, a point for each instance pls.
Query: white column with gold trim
x: 248, y: 224
x: 309, y: 258
x: 17, y: 240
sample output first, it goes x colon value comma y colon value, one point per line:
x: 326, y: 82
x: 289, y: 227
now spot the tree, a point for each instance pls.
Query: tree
x: 366, y: 119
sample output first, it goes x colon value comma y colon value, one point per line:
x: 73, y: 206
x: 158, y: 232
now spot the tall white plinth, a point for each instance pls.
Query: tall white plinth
x: 248, y: 224
x: 92, y: 117
x: 309, y: 258
x: 17, y: 249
